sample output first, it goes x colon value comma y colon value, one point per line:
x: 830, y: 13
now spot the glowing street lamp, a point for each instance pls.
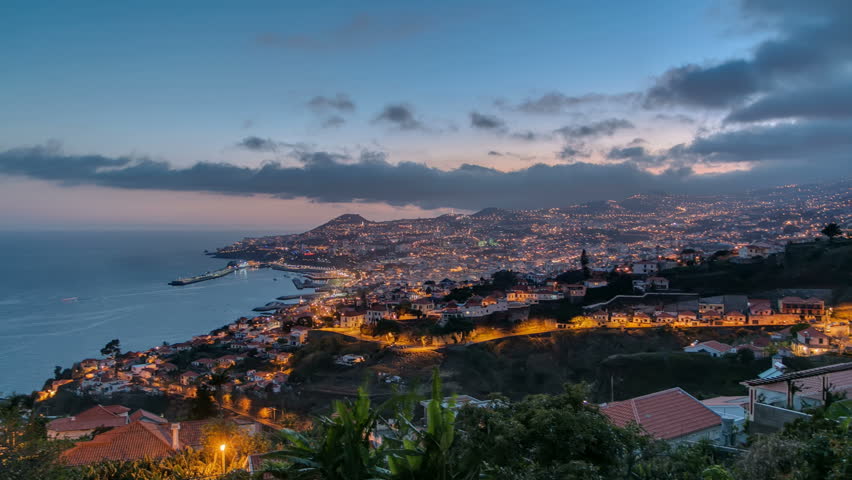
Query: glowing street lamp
x: 222, y: 449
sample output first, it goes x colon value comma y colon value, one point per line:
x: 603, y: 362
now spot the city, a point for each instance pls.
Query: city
x: 467, y: 240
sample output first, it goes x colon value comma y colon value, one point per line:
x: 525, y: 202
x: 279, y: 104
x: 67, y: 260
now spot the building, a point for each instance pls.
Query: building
x: 645, y: 268
x: 811, y: 341
x: 712, y: 347
x: 672, y: 415
x: 136, y: 441
x: 86, y: 422
x: 351, y: 319
x: 806, y: 307
x: 776, y: 400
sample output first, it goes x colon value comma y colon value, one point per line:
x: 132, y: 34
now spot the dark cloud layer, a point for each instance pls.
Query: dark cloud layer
x: 819, y: 101
x: 813, y: 42
x: 326, y: 177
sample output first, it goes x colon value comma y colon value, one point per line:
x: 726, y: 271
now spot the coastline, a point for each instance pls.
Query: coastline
x: 119, y: 280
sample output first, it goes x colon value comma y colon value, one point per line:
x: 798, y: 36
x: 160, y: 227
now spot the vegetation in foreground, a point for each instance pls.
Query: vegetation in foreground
x: 541, y: 437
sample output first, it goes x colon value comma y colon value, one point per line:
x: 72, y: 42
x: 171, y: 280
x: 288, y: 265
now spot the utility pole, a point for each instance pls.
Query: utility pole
x: 611, y: 388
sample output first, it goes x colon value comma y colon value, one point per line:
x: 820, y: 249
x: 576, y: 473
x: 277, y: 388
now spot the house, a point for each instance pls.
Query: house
x: 645, y: 268
x: 734, y: 318
x: 86, y: 422
x: 729, y: 407
x: 206, y: 363
x: 298, y: 336
x: 596, y: 281
x: 136, y: 441
x: 574, y: 290
x: 711, y: 305
x: 424, y: 304
x: 759, y: 307
x: 188, y: 377
x: 687, y: 318
x: 665, y: 317
x: 753, y: 251
x: 657, y: 283
x: 672, y: 415
x: 806, y: 307
x: 777, y: 400
x: 351, y: 319
x: 811, y: 341
x: 712, y: 347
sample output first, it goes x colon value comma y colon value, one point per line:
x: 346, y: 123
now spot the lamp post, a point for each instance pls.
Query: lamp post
x: 222, y: 449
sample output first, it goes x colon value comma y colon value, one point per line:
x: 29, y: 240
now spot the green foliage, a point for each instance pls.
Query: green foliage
x: 340, y: 450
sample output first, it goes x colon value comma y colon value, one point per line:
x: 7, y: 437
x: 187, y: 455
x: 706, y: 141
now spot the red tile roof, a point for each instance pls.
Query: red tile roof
x: 718, y: 346
x: 134, y: 441
x: 665, y: 415
x: 97, y: 416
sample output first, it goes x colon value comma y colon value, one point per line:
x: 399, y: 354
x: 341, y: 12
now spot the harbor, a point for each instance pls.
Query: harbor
x: 230, y: 268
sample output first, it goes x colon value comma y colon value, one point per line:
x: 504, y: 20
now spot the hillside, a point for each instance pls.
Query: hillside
x: 825, y: 265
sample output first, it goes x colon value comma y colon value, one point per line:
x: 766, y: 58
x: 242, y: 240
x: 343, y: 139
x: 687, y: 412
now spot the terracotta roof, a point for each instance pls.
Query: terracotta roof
x: 147, y: 416
x: 135, y: 441
x: 97, y: 416
x: 812, y: 332
x: 665, y: 415
x: 718, y: 346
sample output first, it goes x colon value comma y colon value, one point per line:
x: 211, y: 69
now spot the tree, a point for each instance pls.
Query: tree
x: 831, y: 230
x: 218, y: 381
x: 584, y: 263
x: 202, y: 405
x: 57, y: 372
x: 112, y: 350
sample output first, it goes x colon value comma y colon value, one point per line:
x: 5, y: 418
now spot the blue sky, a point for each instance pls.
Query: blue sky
x: 186, y: 82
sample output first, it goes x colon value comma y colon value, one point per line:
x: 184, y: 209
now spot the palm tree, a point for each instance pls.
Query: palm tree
x: 831, y: 230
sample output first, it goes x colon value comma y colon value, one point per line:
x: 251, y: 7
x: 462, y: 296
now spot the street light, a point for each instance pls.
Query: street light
x: 222, y: 449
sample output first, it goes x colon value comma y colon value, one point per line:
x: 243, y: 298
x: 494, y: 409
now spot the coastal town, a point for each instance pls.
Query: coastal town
x: 245, y: 367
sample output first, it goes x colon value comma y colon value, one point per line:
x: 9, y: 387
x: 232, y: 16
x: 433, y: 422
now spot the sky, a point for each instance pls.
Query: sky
x: 285, y: 114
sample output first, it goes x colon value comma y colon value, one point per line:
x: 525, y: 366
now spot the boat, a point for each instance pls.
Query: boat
x: 70, y: 299
x: 200, y: 278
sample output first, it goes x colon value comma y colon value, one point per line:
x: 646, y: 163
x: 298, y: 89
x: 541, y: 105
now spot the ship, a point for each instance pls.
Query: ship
x: 200, y: 278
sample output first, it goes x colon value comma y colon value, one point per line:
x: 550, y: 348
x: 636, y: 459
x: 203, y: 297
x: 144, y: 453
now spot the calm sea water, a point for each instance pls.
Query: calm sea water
x: 120, y: 282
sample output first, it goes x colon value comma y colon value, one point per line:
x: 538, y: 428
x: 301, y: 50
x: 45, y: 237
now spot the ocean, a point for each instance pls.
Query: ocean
x: 64, y: 295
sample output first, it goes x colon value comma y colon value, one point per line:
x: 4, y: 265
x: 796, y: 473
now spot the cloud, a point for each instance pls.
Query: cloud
x: 601, y: 128
x: 400, y: 116
x: 330, y: 177
x: 486, y: 122
x: 333, y: 121
x: 819, y: 101
x: 677, y: 118
x: 494, y: 153
x: 812, y: 42
x: 571, y: 152
x: 636, y: 154
x: 340, y: 102
x: 822, y: 141
x: 257, y: 144
x: 359, y: 31
x: 556, y: 102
